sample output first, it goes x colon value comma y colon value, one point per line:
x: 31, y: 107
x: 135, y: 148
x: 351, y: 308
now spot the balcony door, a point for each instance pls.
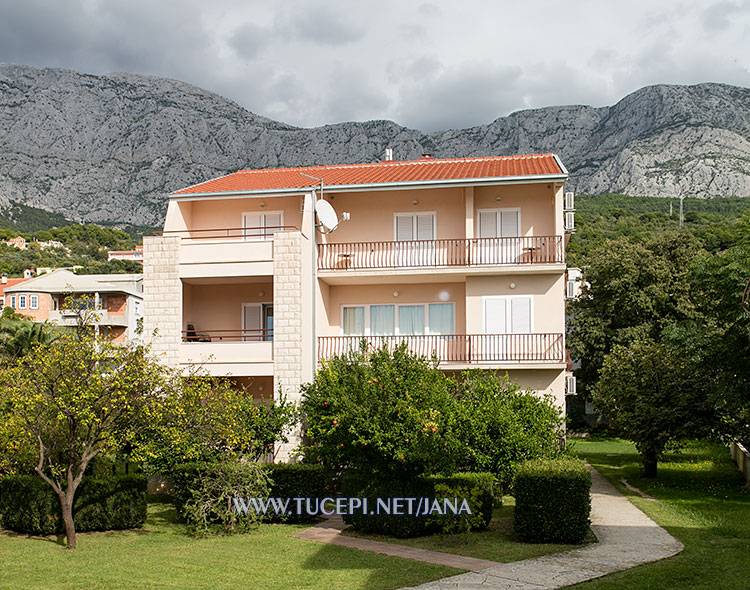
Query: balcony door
x: 261, y: 225
x: 415, y: 236
x: 257, y: 322
x: 499, y: 223
x: 504, y: 318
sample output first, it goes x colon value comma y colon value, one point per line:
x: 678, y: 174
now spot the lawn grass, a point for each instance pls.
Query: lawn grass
x: 161, y: 555
x: 498, y: 543
x: 700, y: 499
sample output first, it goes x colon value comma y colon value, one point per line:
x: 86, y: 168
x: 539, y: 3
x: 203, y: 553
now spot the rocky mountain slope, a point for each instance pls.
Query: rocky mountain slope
x: 110, y: 148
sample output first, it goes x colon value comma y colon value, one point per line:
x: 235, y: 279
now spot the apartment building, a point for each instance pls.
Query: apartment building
x: 260, y: 274
x: 115, y: 300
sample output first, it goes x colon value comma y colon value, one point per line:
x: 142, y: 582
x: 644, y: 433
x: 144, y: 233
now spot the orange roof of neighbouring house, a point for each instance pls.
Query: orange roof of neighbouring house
x: 10, y: 283
x: 386, y: 172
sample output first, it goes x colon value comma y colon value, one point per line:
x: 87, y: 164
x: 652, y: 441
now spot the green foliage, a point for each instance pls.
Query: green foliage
x: 553, y: 501
x: 210, y: 419
x: 296, y: 480
x: 502, y: 425
x: 203, y: 495
x: 634, y: 291
x: 390, y: 415
x: 19, y: 337
x: 654, y: 397
x: 477, y: 487
x: 28, y: 505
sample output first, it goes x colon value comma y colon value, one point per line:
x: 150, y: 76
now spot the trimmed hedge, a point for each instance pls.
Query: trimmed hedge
x: 28, y: 504
x: 478, y: 488
x: 297, y: 480
x: 553, y: 501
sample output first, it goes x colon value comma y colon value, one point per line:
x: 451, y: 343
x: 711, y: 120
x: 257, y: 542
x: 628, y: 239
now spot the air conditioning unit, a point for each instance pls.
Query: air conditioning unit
x: 571, y: 291
x: 569, y: 222
x: 570, y: 385
x: 569, y: 201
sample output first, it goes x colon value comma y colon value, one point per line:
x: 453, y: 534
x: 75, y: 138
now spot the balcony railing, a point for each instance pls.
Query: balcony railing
x: 441, y: 253
x: 458, y: 348
x: 256, y: 335
x: 247, y: 234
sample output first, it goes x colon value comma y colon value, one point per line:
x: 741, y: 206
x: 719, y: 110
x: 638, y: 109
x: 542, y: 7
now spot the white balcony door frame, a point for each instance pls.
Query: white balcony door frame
x: 415, y: 254
x: 254, y: 224
x: 508, y: 250
x: 257, y: 322
x: 396, y: 331
x: 504, y: 319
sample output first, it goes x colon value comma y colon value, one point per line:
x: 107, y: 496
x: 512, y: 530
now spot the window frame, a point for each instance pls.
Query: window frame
x: 424, y: 304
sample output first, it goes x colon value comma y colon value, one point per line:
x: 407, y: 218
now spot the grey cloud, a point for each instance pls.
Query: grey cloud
x: 249, y: 40
x: 319, y: 23
x: 718, y: 17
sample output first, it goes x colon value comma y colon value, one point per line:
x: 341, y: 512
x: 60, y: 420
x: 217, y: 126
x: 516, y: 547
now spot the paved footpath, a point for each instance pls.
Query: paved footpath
x: 627, y: 538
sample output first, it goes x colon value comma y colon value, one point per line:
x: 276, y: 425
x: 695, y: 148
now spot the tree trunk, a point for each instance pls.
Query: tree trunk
x: 66, y: 503
x: 649, y: 463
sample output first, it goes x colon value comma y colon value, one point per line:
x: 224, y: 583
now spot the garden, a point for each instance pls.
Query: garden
x: 77, y: 412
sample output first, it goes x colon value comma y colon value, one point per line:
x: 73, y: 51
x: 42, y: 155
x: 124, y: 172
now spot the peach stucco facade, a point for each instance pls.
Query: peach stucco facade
x: 250, y: 284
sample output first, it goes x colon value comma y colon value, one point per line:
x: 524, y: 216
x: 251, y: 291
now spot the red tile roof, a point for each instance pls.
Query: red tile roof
x: 387, y: 172
x: 10, y: 283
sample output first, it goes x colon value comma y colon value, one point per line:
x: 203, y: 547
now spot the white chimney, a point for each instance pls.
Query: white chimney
x: 5, y: 278
x: 388, y: 155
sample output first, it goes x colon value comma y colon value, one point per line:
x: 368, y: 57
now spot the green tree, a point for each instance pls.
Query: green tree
x: 632, y: 292
x: 390, y: 414
x: 79, y: 398
x: 655, y: 397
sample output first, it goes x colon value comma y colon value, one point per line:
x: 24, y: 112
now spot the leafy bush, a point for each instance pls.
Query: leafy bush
x: 203, y: 495
x: 296, y: 480
x: 553, y: 501
x: 390, y: 414
x: 502, y: 426
x: 476, y: 488
x: 28, y: 505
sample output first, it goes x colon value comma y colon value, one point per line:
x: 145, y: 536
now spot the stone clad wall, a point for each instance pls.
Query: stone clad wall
x: 162, y: 297
x: 287, y: 327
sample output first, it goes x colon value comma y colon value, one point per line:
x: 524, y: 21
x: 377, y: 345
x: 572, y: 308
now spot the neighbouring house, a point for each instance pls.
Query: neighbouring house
x: 261, y: 274
x: 17, y: 242
x: 5, y: 283
x: 115, y: 300
x: 136, y: 254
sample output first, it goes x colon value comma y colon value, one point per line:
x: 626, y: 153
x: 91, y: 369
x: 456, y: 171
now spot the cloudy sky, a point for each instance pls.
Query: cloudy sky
x: 428, y: 65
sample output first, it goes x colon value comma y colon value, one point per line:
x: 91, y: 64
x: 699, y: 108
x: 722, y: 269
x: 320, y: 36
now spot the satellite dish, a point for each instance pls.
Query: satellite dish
x: 326, y: 215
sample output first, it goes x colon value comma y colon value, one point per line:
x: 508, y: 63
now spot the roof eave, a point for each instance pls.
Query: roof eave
x: 416, y: 184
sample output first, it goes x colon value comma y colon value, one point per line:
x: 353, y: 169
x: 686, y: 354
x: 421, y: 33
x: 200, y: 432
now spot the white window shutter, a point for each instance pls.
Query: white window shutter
x: 404, y: 228
x: 487, y: 224
x: 509, y: 224
x: 425, y: 226
x: 252, y: 224
x: 520, y: 315
x: 494, y: 316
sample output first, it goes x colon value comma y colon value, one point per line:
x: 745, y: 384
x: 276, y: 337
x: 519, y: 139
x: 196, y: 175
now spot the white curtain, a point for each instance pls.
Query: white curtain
x: 411, y: 319
x: 442, y: 318
x: 382, y: 320
x: 354, y: 321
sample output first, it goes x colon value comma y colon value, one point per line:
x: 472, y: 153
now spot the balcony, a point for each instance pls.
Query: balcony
x: 452, y: 253
x: 460, y: 349
x: 229, y: 352
x: 222, y: 252
x: 98, y: 317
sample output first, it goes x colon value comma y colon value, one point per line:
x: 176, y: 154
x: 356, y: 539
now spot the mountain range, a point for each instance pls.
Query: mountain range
x: 111, y: 148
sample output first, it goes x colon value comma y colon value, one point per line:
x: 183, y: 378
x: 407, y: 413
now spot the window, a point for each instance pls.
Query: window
x: 13, y: 301
x: 34, y: 301
x: 499, y: 223
x: 260, y: 226
x: 257, y: 322
x: 406, y: 319
x: 22, y: 302
x: 414, y: 226
x: 507, y: 315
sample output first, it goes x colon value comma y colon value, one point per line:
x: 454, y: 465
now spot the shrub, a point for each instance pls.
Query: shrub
x: 477, y: 488
x: 502, y: 426
x: 296, y: 480
x: 553, y: 501
x: 380, y: 412
x: 203, y: 495
x: 29, y: 505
